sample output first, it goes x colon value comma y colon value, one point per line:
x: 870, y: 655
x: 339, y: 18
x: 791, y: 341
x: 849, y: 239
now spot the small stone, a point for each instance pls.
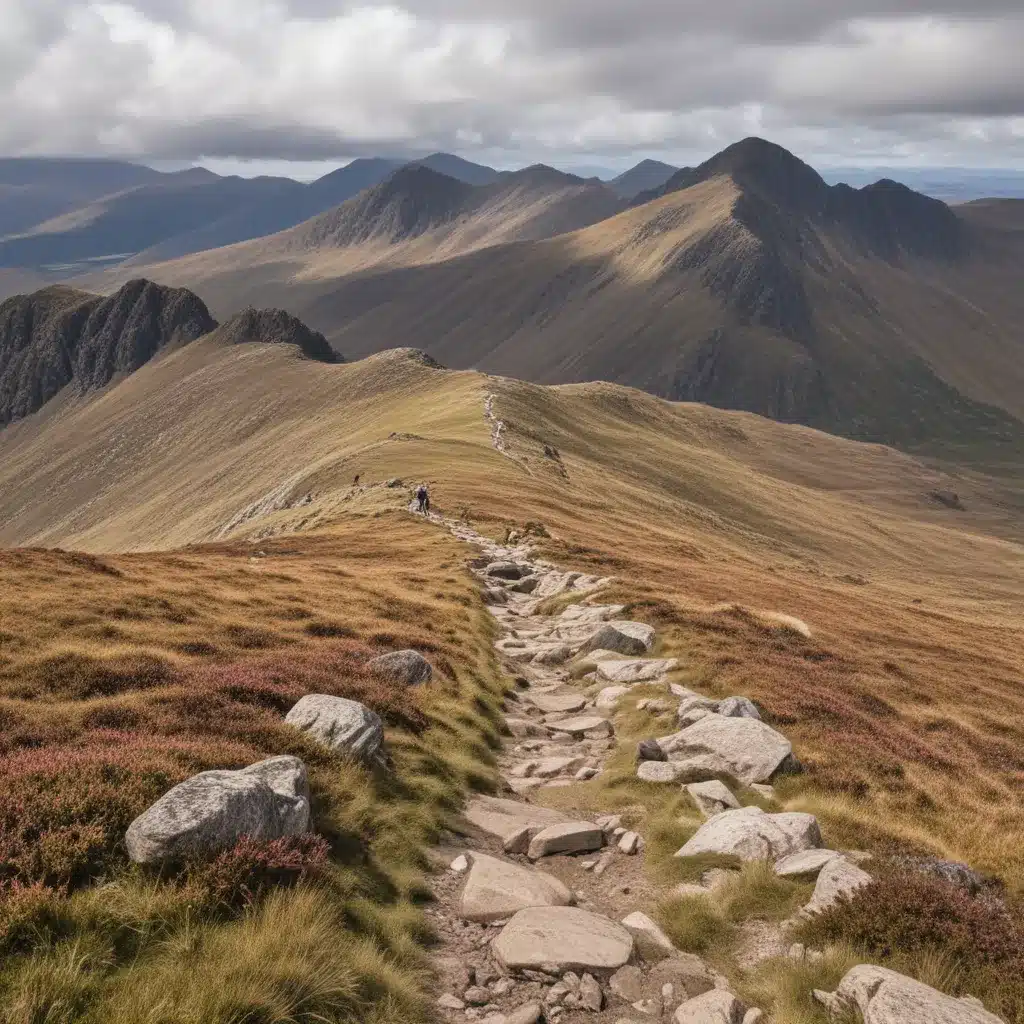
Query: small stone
x: 556, y: 994
x: 715, y: 1007
x: 571, y: 979
x: 651, y: 942
x: 477, y: 996
x: 627, y: 984
x: 586, y: 774
x: 588, y: 865
x: 603, y: 864
x: 753, y: 1016
x: 450, y: 1002
x: 460, y: 865
x: 485, y: 975
x: 591, y: 996
x: 712, y: 797
x: 528, y: 1014
x: 409, y: 668
x: 629, y: 844
x: 650, y: 750
x: 796, y: 951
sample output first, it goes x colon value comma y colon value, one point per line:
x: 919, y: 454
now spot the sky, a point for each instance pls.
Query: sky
x: 299, y: 86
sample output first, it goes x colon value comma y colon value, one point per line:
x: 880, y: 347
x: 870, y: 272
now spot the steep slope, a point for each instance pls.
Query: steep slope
x: 646, y: 176
x: 756, y: 286
x: 59, y: 337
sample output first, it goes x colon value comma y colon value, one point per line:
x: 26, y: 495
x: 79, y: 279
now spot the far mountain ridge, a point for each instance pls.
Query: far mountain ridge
x: 646, y: 176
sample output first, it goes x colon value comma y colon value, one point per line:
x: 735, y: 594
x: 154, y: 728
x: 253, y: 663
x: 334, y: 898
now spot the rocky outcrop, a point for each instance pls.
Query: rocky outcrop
x: 59, y: 337
x: 213, y: 810
x: 404, y: 668
x: 885, y: 997
x: 276, y: 327
x: 751, y: 834
x: 341, y: 724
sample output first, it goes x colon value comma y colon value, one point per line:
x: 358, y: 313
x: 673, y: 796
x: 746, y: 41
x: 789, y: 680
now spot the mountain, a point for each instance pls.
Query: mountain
x: 646, y: 176
x: 33, y: 190
x: 130, y: 221
x: 750, y: 283
x: 461, y: 170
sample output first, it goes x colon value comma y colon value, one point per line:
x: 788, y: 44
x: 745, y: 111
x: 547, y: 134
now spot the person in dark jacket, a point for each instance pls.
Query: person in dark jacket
x: 423, y: 499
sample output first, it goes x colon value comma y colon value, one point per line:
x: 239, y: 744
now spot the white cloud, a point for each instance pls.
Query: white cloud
x: 512, y: 79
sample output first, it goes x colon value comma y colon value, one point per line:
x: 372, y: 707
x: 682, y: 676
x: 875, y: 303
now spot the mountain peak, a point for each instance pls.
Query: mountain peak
x: 762, y: 166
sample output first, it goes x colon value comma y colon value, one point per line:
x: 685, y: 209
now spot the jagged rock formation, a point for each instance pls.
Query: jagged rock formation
x: 60, y: 337
x: 276, y: 327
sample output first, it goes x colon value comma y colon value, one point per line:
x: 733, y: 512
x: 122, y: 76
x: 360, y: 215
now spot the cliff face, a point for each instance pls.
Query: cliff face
x: 59, y: 337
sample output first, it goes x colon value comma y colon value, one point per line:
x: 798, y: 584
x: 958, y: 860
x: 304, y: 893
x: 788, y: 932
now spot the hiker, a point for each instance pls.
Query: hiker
x: 423, y: 499
x: 355, y: 483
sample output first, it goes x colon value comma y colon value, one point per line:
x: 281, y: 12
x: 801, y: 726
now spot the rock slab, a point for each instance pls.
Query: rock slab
x: 405, y: 668
x: 751, y: 834
x: 569, y: 837
x: 565, y: 938
x: 755, y: 752
x: 497, y: 889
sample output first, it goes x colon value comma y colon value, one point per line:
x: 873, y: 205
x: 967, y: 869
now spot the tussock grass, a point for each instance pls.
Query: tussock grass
x: 97, y: 940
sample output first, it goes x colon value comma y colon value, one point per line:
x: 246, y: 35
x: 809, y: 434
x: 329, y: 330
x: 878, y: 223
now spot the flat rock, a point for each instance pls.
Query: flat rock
x: 511, y: 820
x: 712, y: 797
x: 497, y: 889
x: 806, y: 864
x: 340, y: 724
x: 715, y: 1007
x: 635, y: 670
x: 559, y: 654
x: 751, y: 834
x: 622, y: 637
x: 557, y: 703
x: 755, y: 752
x: 650, y: 941
x: 885, y: 997
x: 568, y: 837
x: 659, y: 771
x: 404, y: 668
x: 837, y: 878
x: 549, y: 767
x: 609, y: 697
x: 566, y: 938
x: 211, y: 811
x: 579, y: 727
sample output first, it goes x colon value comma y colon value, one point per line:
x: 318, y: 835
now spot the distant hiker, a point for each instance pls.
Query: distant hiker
x: 423, y: 499
x: 355, y: 483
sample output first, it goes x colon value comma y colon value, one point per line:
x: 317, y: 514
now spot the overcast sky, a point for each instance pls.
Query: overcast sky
x: 580, y: 82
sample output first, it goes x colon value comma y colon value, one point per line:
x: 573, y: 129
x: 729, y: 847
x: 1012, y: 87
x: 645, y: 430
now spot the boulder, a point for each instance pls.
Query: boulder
x: 635, y: 670
x: 752, y: 834
x: 715, y: 1007
x: 885, y: 997
x: 405, y: 668
x: 210, y: 812
x: 527, y: 585
x: 341, y: 724
x: 753, y: 751
x: 650, y: 941
x: 569, y: 837
x: 712, y: 797
x: 530, y: 1013
x: 621, y: 637
x: 806, y: 864
x: 564, y: 938
x: 837, y: 878
x: 557, y: 655
x: 659, y: 771
x: 737, y: 707
x: 497, y: 889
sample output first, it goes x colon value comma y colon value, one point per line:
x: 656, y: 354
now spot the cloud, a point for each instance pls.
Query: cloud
x: 513, y: 80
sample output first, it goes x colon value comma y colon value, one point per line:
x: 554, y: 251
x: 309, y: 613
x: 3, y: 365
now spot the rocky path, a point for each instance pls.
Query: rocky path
x: 537, y: 908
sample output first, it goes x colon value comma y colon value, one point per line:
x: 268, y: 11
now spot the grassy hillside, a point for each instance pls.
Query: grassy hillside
x: 277, y: 575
